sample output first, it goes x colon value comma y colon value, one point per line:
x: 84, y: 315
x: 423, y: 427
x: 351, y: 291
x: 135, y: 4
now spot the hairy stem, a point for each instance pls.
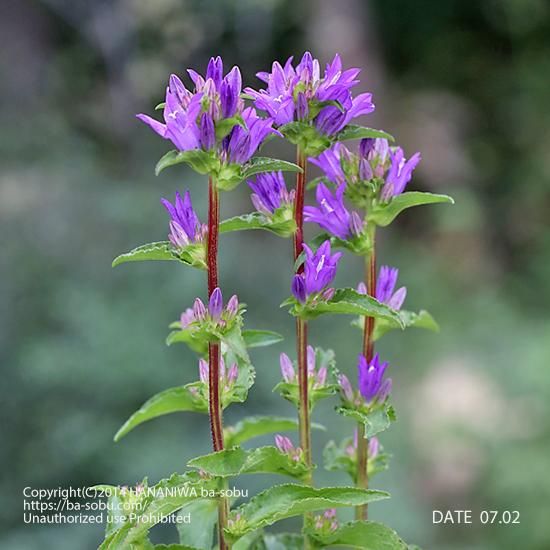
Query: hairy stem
x: 214, y: 406
x: 361, y: 512
x: 301, y: 325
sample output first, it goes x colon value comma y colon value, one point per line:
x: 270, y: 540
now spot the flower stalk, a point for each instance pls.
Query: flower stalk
x: 214, y: 406
x: 361, y: 512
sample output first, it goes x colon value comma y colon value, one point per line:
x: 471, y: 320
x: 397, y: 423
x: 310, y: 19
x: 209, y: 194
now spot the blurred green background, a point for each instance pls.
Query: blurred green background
x: 82, y: 345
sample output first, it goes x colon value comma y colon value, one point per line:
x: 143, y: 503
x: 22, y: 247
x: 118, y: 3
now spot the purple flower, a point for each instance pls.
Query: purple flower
x: 287, y: 369
x: 319, y: 272
x: 331, y: 213
x: 345, y: 387
x: 329, y: 161
x: 285, y: 445
x: 215, y: 304
x: 387, y: 279
x: 292, y: 92
x: 270, y: 192
x: 372, y: 385
x: 227, y: 376
x: 399, y: 174
x: 190, y: 117
x: 185, y: 227
x: 373, y: 448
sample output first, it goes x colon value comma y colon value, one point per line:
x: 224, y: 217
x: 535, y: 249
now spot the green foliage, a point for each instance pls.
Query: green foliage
x: 345, y: 301
x: 353, y: 131
x: 340, y: 458
x: 383, y: 214
x: 177, y: 399
x: 256, y: 220
x: 236, y: 461
x: 290, y: 391
x: 306, y: 137
x: 285, y: 501
x: 260, y: 165
x: 280, y: 541
x: 203, y: 162
x: 254, y: 426
x: 225, y: 125
x: 409, y: 319
x: 254, y: 338
x: 192, y: 255
x: 367, y: 535
x: 375, y: 420
x: 199, y: 533
x: 156, y: 503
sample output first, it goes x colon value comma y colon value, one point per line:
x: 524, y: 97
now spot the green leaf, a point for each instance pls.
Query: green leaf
x: 196, y: 342
x: 203, y: 162
x: 307, y: 137
x: 158, y: 502
x: 259, y: 165
x: 255, y: 426
x: 235, y: 342
x: 353, y: 131
x: 375, y: 421
x: 152, y: 251
x: 368, y: 535
x: 192, y: 254
x: 244, y: 382
x: 176, y: 399
x: 384, y: 214
x: 199, y: 532
x: 285, y: 501
x: 291, y: 392
x: 160, y: 106
x: 237, y: 461
x: 256, y: 220
x: 346, y: 301
x: 279, y: 541
x: 225, y: 125
x: 254, y: 338
x: 409, y: 319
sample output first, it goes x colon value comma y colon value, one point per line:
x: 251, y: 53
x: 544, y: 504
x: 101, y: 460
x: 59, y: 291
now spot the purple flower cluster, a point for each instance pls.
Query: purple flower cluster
x: 300, y: 93
x: 192, y: 117
x: 327, y: 522
x: 317, y: 375
x: 372, y: 385
x: 270, y: 193
x: 331, y: 213
x: 185, y: 227
x: 228, y: 378
x: 375, y: 160
x: 385, y: 285
x: 319, y: 272
x: 215, y: 312
x: 285, y: 445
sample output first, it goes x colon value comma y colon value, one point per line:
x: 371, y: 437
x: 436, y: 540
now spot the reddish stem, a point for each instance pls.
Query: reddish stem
x: 214, y: 408
x: 368, y: 352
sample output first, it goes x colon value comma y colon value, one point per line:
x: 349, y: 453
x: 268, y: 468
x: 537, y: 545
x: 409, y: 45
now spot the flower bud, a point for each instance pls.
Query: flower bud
x: 199, y: 310
x: 232, y: 374
x: 287, y: 370
x: 187, y: 317
x: 232, y: 306
x: 299, y: 288
x: 374, y: 446
x: 215, y: 304
x: 345, y: 386
x: 203, y: 371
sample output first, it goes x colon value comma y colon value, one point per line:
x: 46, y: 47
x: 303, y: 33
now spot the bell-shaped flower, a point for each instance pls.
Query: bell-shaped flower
x: 372, y: 385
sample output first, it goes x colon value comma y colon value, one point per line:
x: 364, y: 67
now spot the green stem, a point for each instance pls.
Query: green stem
x: 361, y: 512
x: 214, y: 405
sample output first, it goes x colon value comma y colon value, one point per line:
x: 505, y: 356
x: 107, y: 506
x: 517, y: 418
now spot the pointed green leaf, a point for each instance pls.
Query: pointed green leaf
x: 353, y: 131
x: 409, y: 319
x: 225, y: 125
x: 255, y: 426
x: 237, y: 461
x: 256, y: 220
x: 162, y: 250
x: 368, y: 535
x: 384, y: 214
x: 196, y: 342
x: 375, y: 421
x: 285, y: 501
x: 203, y: 162
x: 235, y: 342
x: 307, y: 137
x: 199, y: 532
x: 156, y: 503
x: 254, y: 338
x: 346, y: 301
x: 259, y: 165
x: 176, y: 399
